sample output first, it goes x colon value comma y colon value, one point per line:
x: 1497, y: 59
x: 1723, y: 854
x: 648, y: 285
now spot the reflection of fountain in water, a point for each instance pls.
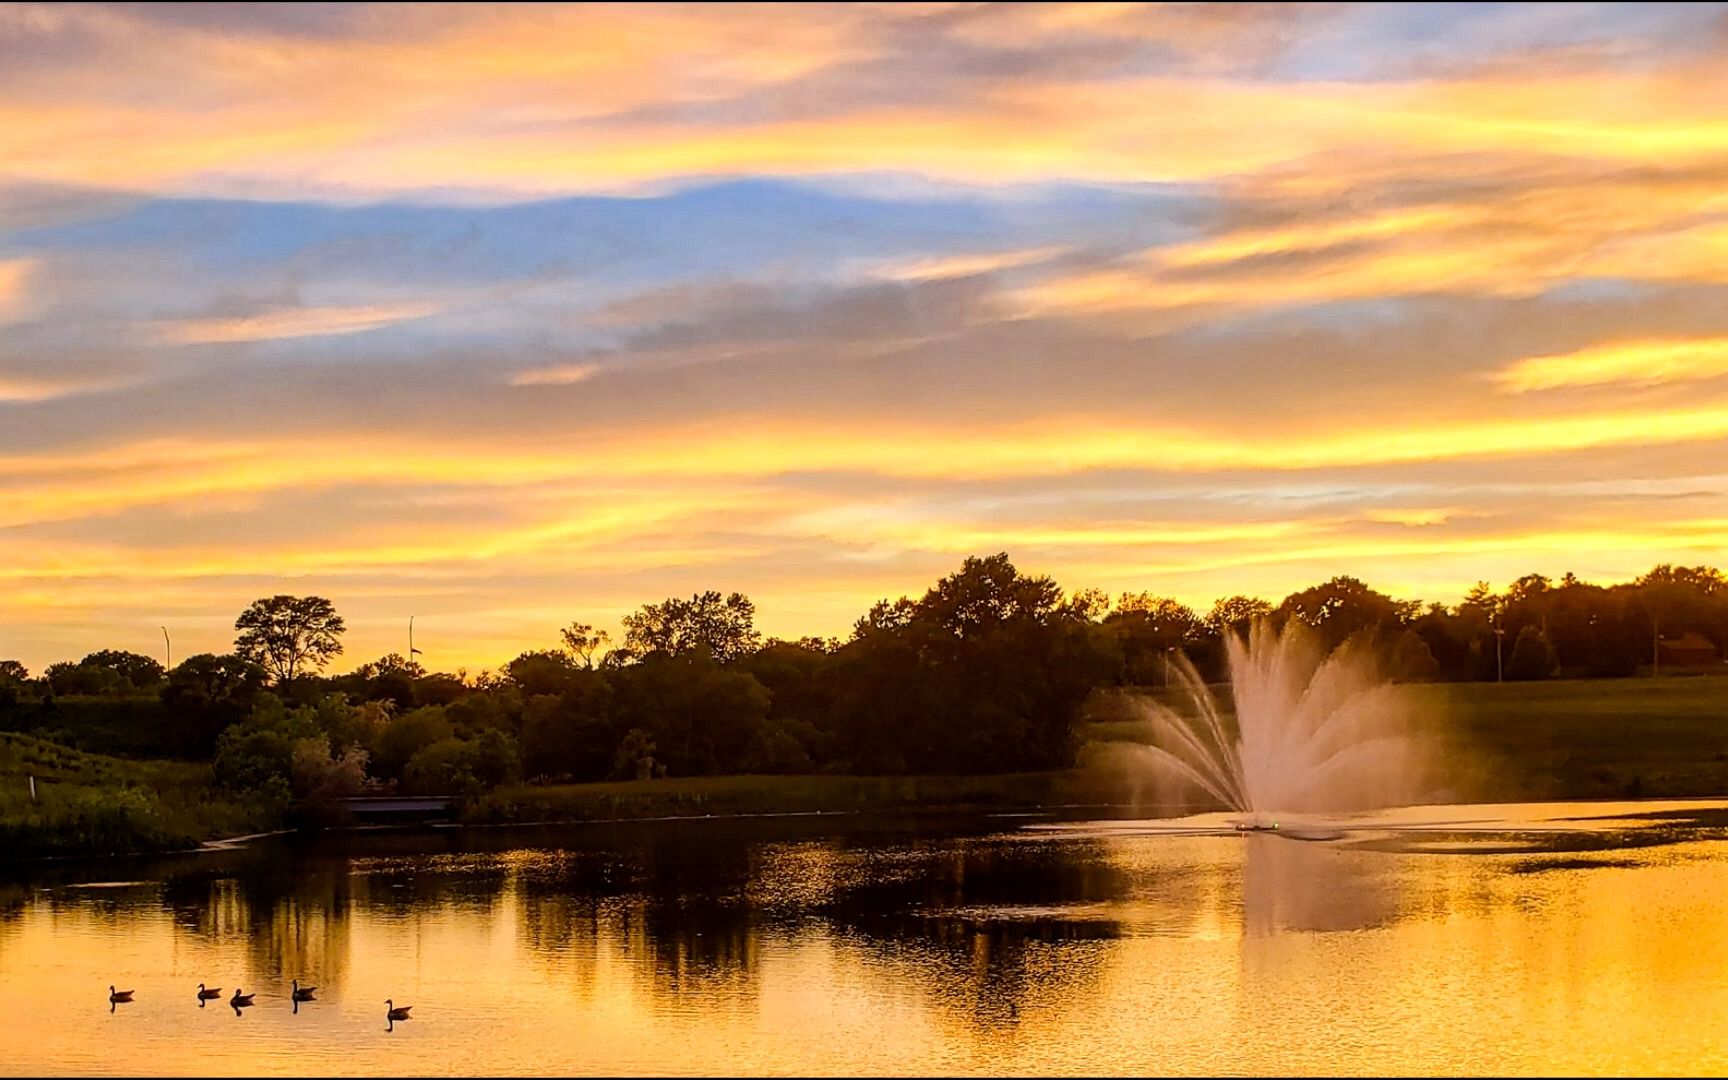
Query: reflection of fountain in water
x: 1314, y: 732
x: 1312, y: 887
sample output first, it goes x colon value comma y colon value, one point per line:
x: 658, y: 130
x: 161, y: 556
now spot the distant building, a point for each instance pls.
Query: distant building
x: 1688, y: 650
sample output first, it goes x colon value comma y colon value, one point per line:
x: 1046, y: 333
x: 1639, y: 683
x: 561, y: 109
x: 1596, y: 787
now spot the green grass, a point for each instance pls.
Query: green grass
x: 93, y: 804
x: 698, y: 795
x: 1583, y: 739
x: 1560, y: 739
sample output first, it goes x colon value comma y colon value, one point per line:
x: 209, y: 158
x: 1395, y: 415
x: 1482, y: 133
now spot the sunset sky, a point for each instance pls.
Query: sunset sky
x: 506, y: 316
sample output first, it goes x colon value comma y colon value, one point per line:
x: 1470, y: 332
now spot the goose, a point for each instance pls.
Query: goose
x: 397, y: 1012
x: 208, y: 995
x: 302, y: 993
x: 119, y: 995
x: 240, y: 999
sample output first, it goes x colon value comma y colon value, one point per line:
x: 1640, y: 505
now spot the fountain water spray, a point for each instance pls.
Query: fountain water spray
x: 1313, y: 732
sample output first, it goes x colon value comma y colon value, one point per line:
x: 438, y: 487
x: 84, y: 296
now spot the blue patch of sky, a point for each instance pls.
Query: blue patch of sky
x: 726, y: 230
x: 1392, y: 41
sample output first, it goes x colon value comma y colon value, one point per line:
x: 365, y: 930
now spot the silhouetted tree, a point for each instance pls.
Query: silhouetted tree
x: 724, y: 626
x: 289, y: 635
x: 66, y: 678
x: 584, y: 642
x: 987, y: 672
x: 1344, y: 607
x: 1151, y: 631
x: 142, y: 673
x: 206, y: 694
x: 1236, y: 613
x: 701, y: 715
x: 1090, y: 603
x: 545, y: 672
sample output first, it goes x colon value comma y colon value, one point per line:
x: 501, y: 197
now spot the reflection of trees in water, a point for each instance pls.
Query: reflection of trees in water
x: 289, y: 915
x: 674, y: 901
x: 981, y: 928
x: 991, y: 929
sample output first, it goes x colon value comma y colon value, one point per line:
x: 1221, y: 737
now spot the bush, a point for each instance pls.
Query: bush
x: 1532, y: 656
x: 405, y: 736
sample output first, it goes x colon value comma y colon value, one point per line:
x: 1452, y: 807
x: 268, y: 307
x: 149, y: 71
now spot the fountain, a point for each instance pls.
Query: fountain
x: 1314, y: 732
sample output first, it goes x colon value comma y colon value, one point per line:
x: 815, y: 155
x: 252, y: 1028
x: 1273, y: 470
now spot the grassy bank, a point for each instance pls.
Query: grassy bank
x: 1503, y: 742
x: 1587, y: 739
x: 1564, y: 738
x: 93, y: 804
x: 698, y: 795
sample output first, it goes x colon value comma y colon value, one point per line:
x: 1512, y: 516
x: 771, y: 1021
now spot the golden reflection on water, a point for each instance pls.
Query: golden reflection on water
x: 672, y: 952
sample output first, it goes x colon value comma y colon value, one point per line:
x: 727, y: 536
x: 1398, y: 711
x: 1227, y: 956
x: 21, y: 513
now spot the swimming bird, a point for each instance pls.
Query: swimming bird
x: 208, y: 995
x: 119, y: 995
x: 240, y: 999
x: 397, y: 1012
x: 302, y: 993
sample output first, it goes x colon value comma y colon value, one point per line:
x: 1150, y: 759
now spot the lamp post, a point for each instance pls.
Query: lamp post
x: 1499, y: 654
x: 169, y: 646
x: 411, y: 649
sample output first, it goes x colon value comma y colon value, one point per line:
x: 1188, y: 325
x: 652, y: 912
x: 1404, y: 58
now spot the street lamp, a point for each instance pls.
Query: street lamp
x: 169, y: 645
x: 1499, y: 661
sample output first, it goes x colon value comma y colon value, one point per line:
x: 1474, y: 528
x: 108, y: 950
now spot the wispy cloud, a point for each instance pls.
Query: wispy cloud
x: 288, y: 323
x: 560, y: 375
x: 1634, y: 363
x: 14, y: 276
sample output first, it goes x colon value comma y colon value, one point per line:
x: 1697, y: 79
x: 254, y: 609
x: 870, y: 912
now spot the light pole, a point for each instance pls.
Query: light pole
x: 411, y: 649
x: 1499, y: 657
x: 169, y: 646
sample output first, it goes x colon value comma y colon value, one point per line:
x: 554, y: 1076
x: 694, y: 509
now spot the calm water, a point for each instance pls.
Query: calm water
x: 1531, y: 939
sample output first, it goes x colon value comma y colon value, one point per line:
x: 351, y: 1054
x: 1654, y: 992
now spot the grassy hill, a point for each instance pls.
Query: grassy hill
x: 1591, y: 738
x: 92, y: 804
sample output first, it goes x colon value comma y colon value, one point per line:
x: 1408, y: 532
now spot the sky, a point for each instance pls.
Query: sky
x: 506, y: 316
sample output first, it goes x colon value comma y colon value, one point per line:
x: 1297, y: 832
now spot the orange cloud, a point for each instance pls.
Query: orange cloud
x: 1637, y: 363
x: 559, y: 375
x: 496, y: 100
x: 14, y: 275
x: 289, y: 323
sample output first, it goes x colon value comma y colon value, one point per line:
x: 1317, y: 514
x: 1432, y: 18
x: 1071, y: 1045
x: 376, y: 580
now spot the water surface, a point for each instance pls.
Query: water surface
x: 1582, y: 938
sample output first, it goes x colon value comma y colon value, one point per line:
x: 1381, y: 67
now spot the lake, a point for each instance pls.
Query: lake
x: 1534, y: 939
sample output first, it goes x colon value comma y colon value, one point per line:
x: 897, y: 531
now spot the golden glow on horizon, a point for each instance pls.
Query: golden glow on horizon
x: 1049, y: 447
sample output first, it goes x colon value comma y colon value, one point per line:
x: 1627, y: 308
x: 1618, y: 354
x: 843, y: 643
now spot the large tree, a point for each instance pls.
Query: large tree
x: 724, y: 626
x: 985, y: 673
x: 143, y: 672
x: 1345, y: 606
x: 584, y: 642
x: 289, y: 635
x: 1236, y: 613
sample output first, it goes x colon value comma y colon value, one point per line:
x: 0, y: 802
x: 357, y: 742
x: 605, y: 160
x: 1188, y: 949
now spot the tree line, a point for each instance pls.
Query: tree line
x: 988, y: 671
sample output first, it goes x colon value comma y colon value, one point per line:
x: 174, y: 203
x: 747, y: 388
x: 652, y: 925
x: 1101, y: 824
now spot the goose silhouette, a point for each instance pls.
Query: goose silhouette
x: 302, y: 993
x: 208, y: 995
x: 397, y: 1012
x: 117, y: 996
x: 240, y: 999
